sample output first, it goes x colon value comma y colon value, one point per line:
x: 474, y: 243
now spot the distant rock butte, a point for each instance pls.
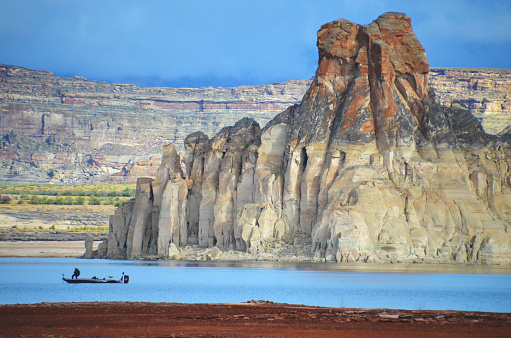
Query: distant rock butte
x: 369, y: 167
x: 70, y: 130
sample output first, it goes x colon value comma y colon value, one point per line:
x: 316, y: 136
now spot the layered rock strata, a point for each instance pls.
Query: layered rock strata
x: 70, y: 130
x: 369, y: 166
x: 485, y: 92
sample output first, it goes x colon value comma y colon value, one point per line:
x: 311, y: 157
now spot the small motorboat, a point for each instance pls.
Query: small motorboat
x: 124, y: 279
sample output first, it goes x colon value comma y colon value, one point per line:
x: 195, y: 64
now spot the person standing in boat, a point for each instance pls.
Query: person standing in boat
x: 76, y: 274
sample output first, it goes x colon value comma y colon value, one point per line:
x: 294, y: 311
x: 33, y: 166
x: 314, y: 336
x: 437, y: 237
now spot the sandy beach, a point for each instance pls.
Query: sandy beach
x: 43, y: 248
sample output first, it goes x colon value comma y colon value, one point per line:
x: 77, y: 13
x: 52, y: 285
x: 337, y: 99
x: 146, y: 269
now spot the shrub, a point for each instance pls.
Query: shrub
x: 99, y: 193
x: 93, y: 200
x: 109, y: 200
x: 35, y: 199
x: 5, y: 199
x: 60, y: 200
x: 49, y: 200
x: 112, y: 193
x: 128, y: 192
x: 80, y: 200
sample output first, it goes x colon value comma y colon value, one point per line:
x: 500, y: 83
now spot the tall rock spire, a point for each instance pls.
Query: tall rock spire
x: 369, y: 167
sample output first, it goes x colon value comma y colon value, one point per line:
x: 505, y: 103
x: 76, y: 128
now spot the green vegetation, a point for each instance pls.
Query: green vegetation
x: 101, y: 194
x: 87, y: 228
x: 94, y: 200
x: 5, y: 199
x: 100, y: 190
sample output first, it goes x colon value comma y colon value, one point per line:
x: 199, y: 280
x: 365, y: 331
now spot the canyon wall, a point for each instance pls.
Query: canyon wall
x: 369, y: 167
x: 485, y: 92
x: 70, y: 130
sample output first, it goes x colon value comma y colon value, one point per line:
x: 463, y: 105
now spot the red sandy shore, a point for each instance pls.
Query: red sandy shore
x: 255, y: 319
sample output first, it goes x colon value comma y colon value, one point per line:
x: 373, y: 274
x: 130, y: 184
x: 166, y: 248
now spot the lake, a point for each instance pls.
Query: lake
x: 412, y: 287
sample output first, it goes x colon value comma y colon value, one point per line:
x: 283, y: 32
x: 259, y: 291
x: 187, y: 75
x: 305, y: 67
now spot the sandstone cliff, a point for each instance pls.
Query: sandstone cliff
x: 369, y: 167
x: 485, y: 92
x: 70, y: 130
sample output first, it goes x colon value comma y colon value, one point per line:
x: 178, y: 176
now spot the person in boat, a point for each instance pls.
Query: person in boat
x: 75, y: 274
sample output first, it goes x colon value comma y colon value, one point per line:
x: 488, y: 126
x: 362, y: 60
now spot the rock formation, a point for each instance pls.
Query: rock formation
x: 71, y: 130
x: 485, y: 92
x: 369, y: 166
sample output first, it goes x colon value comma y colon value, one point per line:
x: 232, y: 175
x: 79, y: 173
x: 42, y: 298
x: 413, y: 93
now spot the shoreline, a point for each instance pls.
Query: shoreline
x: 43, y: 248
x: 76, y: 249
x: 251, y: 319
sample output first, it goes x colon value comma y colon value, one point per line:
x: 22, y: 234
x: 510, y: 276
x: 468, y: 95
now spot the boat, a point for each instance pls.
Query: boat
x: 124, y: 279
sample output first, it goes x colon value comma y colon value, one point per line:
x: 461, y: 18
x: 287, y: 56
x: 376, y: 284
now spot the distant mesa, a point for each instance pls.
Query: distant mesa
x: 369, y: 167
x: 75, y: 131
x: 113, y: 132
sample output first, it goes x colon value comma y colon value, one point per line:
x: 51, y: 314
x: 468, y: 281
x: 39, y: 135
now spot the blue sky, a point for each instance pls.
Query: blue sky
x: 230, y: 42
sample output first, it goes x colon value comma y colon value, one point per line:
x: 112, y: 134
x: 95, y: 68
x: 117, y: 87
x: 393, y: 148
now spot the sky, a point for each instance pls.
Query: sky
x: 226, y: 43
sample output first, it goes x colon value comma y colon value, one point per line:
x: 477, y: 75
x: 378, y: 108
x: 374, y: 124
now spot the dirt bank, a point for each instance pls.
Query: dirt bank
x: 254, y: 319
x: 43, y: 248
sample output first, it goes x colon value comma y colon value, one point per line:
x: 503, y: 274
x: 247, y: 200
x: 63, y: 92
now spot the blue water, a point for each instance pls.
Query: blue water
x: 35, y: 280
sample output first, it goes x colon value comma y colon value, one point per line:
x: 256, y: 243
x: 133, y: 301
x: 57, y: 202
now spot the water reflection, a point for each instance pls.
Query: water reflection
x: 365, y: 267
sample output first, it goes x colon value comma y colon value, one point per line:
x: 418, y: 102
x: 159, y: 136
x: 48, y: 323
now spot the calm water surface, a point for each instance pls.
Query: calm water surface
x: 34, y: 280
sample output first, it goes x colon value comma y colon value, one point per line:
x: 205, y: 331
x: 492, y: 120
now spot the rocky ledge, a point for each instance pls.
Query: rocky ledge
x: 370, y: 167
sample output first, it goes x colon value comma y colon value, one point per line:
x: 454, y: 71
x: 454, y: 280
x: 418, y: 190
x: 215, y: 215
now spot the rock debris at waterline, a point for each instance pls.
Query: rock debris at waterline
x: 369, y: 168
